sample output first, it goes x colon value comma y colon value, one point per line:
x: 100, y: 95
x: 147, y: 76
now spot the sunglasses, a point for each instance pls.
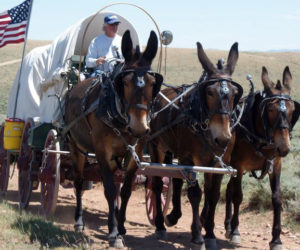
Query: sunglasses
x: 114, y: 24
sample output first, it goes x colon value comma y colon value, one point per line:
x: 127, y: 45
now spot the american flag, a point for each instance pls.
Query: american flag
x: 13, y: 24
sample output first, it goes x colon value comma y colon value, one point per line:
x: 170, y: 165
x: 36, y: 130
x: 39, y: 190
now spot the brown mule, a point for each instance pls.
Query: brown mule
x: 194, y: 133
x: 130, y: 93
x: 261, y: 140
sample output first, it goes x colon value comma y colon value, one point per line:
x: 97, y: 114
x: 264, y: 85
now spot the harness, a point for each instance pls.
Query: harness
x: 194, y: 113
x: 111, y: 106
x: 281, y: 122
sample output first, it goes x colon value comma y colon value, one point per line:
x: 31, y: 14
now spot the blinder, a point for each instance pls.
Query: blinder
x: 224, y: 88
x: 140, y: 83
x: 296, y: 114
x: 282, y: 115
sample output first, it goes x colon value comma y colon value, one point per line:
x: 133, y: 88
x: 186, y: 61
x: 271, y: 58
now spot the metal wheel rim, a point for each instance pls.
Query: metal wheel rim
x: 24, y: 176
x: 4, y: 164
x: 49, y: 191
x: 4, y: 173
x: 151, y: 201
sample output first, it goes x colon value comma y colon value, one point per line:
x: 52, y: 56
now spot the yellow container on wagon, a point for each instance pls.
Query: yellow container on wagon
x: 13, y: 129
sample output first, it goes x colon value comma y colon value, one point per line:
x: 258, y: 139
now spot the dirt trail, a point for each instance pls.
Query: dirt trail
x: 255, y: 228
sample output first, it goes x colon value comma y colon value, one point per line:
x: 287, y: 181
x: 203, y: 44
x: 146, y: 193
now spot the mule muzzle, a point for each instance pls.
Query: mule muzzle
x: 222, y: 142
x: 282, y: 142
x: 138, y: 133
x: 282, y: 152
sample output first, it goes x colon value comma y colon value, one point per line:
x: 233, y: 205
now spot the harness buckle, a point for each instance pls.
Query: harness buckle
x: 117, y: 132
x: 204, y: 125
x: 271, y: 166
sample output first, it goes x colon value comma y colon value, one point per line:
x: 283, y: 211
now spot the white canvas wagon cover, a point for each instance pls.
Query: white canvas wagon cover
x: 40, y: 77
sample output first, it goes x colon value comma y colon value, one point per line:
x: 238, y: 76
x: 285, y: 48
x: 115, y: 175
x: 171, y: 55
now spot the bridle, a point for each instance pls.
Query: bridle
x: 139, y: 90
x: 282, y: 120
x: 223, y: 106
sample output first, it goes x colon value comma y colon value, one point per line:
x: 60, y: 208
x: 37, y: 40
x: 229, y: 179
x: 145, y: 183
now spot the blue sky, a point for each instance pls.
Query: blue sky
x: 256, y: 24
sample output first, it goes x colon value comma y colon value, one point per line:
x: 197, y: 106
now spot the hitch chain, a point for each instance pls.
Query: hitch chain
x: 219, y: 159
x: 190, y: 177
x: 131, y: 149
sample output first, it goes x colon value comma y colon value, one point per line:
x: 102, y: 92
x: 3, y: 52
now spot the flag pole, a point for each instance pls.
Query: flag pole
x: 24, y: 48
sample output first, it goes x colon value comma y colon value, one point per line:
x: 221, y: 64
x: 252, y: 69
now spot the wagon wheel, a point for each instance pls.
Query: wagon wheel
x: 50, y: 175
x: 24, y: 161
x: 4, y: 164
x: 166, y: 197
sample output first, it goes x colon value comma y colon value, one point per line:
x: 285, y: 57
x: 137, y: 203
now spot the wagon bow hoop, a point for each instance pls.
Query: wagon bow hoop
x: 129, y: 4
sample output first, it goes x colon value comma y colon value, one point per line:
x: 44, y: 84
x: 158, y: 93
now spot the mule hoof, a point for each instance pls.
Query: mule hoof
x: 116, y: 242
x: 211, y: 243
x: 274, y: 246
x: 235, y: 239
x: 79, y: 228
x: 171, y: 220
x: 168, y: 223
x: 161, y: 235
x: 198, y: 240
x: 227, y: 234
x: 195, y: 246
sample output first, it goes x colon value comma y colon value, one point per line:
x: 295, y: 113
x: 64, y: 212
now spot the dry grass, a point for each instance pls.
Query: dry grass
x: 183, y: 66
x: 28, y: 231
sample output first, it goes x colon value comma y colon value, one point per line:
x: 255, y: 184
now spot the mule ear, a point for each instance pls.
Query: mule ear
x: 204, y: 60
x: 151, y: 49
x: 287, y: 78
x: 265, y: 78
x: 233, y: 56
x: 127, y: 46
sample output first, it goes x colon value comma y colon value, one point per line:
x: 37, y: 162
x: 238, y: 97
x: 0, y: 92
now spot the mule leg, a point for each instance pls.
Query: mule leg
x: 212, y: 195
x: 79, y: 225
x: 194, y: 195
x: 172, y: 218
x: 78, y: 161
x: 110, y: 192
x: 125, y: 195
x: 277, y: 203
x: 228, y: 208
x: 157, y: 186
x: 237, y: 198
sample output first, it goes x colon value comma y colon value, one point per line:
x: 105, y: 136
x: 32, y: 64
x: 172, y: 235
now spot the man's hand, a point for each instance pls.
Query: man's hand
x: 100, y: 60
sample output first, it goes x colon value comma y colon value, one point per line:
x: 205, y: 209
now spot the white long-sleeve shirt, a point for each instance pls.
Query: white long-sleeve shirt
x: 101, y: 46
